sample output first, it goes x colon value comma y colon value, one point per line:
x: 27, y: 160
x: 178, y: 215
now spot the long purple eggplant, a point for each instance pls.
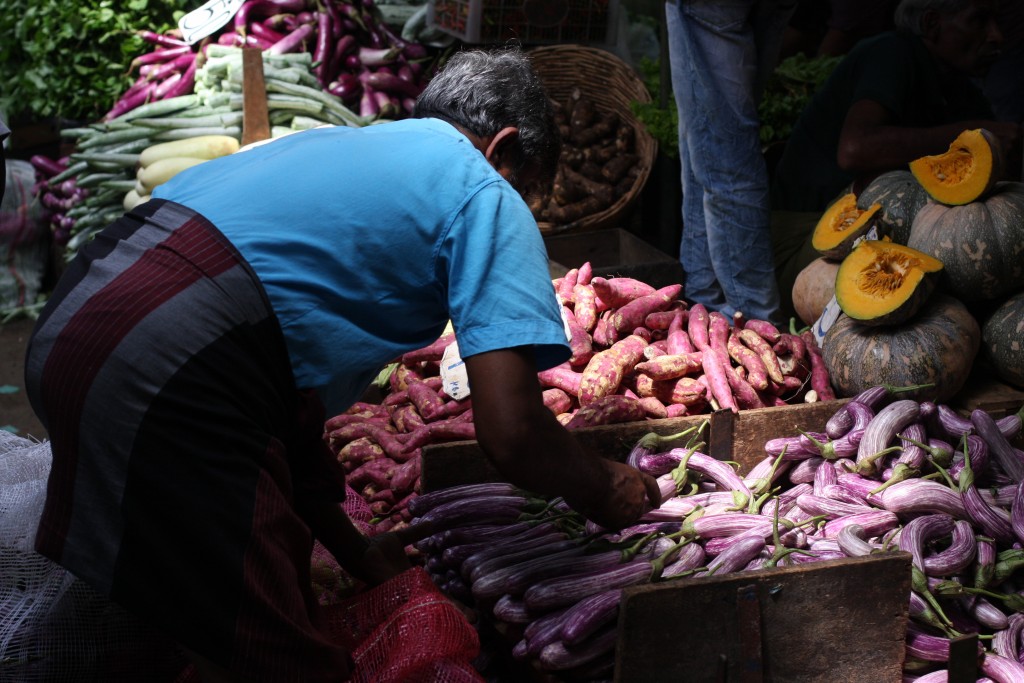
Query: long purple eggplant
x: 882, y: 431
x: 1004, y: 452
x: 957, y: 556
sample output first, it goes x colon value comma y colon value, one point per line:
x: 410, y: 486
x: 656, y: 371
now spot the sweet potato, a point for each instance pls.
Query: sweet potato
x: 742, y: 391
x: 767, y: 330
x: 756, y: 343
x: 557, y: 400
x: 585, y: 307
x: 405, y: 418
x: 654, y: 408
x: 757, y: 375
x: 718, y: 382
x: 358, y: 451
x: 428, y: 402
x: 606, y: 369
x: 339, y: 421
x: 586, y: 274
x: 433, y: 351
x: 609, y: 409
x: 565, y: 284
x: 385, y: 436
x: 676, y: 410
x: 580, y: 342
x: 697, y: 326
x: 562, y: 377
x: 377, y: 472
x: 405, y: 475
x: 820, y: 380
x: 670, y: 366
x: 662, y: 320
x: 604, y: 334
x: 631, y: 315
x: 440, y: 432
x: 677, y: 339
x: 718, y: 333
x: 618, y: 291
x: 367, y: 409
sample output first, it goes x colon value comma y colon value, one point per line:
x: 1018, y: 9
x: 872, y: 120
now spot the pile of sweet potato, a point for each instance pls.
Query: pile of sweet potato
x: 638, y: 353
x: 598, y: 164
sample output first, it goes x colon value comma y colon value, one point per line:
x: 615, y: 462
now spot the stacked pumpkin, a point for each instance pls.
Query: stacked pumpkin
x: 910, y: 253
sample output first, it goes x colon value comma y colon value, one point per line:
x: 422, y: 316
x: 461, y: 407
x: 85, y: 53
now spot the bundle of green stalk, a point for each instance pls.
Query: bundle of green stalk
x: 87, y: 190
x: 886, y: 474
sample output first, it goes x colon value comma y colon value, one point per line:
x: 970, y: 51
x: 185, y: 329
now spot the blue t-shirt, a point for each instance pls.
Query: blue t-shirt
x: 367, y: 240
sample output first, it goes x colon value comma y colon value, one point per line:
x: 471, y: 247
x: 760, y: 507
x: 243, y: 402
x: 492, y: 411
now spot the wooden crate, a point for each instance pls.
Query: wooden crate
x: 729, y: 436
x: 841, y: 620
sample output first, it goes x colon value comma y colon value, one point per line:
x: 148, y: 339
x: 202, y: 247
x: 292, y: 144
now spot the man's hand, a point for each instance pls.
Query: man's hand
x: 383, y: 559
x: 629, y: 495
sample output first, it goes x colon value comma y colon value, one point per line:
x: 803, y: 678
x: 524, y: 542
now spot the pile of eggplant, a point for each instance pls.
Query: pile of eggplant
x: 885, y: 474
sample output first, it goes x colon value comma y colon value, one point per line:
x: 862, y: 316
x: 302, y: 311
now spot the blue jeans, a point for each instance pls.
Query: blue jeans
x: 721, y: 53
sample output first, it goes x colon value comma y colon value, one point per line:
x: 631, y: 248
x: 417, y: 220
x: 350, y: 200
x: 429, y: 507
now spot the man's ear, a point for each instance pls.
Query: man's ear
x: 499, y: 148
x: 930, y: 25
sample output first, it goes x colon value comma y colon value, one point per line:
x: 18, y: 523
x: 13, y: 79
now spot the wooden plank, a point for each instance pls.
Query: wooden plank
x: 838, y: 620
x: 255, y: 117
x: 737, y: 437
x: 463, y: 462
x: 752, y: 428
x: 983, y: 390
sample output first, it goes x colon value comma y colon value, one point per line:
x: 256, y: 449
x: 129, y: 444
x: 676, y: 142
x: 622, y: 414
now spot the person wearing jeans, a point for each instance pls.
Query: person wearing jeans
x: 721, y: 53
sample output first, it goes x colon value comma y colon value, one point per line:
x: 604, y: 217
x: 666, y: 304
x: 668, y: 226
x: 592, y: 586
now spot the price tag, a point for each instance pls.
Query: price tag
x: 454, y: 380
x: 207, y: 19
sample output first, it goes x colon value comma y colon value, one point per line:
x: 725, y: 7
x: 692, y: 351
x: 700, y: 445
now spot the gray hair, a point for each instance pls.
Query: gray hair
x: 909, y: 13
x: 485, y: 91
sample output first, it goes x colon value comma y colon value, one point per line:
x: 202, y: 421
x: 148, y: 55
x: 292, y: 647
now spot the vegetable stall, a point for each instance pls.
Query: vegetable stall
x: 852, y: 481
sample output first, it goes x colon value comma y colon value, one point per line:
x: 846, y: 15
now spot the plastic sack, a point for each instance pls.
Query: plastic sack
x: 24, y: 238
x: 54, y: 627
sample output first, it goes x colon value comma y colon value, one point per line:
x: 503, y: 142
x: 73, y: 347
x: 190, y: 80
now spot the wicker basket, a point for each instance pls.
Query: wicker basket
x: 612, y: 85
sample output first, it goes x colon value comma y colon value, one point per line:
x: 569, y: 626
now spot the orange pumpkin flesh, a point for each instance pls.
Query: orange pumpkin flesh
x: 965, y: 172
x: 884, y: 283
x: 841, y: 225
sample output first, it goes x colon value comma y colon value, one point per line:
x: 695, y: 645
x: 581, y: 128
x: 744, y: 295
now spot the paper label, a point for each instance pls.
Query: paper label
x: 207, y: 19
x: 454, y: 380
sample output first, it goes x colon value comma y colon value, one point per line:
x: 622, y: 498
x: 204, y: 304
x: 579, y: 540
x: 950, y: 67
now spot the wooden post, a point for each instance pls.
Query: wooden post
x: 255, y: 120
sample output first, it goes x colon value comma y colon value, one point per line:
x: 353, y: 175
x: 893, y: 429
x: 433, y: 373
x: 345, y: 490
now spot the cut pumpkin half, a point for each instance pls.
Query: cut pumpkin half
x: 964, y: 173
x: 884, y: 283
x: 841, y: 225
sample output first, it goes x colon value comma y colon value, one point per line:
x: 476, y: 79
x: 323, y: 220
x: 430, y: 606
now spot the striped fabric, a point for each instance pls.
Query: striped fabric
x: 181, y: 445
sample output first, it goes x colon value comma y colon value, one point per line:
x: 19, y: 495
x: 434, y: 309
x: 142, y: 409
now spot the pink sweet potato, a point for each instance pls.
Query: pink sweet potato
x: 585, y: 306
x: 556, y: 400
x: 339, y: 421
x: 757, y: 375
x: 677, y: 339
x: 440, y: 432
x: 366, y: 409
x: 385, y: 436
x: 405, y: 418
x: 820, y: 380
x: 605, y: 371
x: 670, y: 366
x: 565, y: 284
x: 654, y: 408
x: 610, y: 409
x: 428, y: 402
x: 358, y: 451
x: 562, y: 377
x: 586, y: 273
x: 662, y: 320
x: 742, y: 391
x: 405, y: 475
x: 697, y: 326
x: 676, y: 410
x: 604, y: 334
x: 756, y: 343
x: 432, y: 352
x: 377, y: 472
x: 718, y: 382
x: 767, y: 330
x: 631, y: 315
x: 580, y: 342
x: 619, y: 291
x: 718, y: 333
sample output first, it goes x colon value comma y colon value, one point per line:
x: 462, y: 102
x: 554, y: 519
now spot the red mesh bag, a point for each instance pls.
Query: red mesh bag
x: 405, y: 631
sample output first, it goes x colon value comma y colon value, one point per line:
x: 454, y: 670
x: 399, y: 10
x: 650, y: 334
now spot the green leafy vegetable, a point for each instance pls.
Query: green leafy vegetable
x: 69, y: 59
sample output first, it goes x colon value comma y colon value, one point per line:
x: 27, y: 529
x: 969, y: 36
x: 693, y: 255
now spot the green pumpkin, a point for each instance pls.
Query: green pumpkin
x: 1002, y: 334
x: 937, y: 346
x: 901, y: 197
x: 981, y: 244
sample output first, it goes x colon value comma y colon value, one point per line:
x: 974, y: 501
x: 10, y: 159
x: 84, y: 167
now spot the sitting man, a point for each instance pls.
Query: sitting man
x: 894, y: 98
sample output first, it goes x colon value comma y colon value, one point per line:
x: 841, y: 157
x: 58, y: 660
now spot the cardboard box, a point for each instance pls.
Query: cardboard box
x: 615, y: 252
